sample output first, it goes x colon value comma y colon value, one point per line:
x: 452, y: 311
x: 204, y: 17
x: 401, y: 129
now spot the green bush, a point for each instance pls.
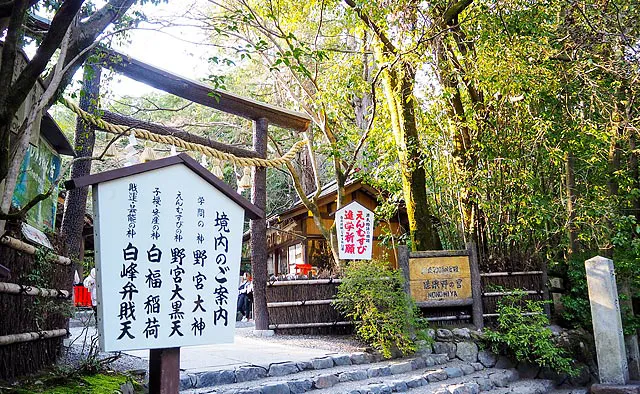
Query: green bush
x: 372, y: 295
x: 522, y: 332
x: 626, y: 258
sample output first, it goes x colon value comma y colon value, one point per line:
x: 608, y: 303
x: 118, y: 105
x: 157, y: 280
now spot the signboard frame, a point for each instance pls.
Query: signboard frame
x: 164, y: 363
x: 407, y: 259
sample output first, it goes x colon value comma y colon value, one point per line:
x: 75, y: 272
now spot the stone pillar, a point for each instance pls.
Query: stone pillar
x: 607, y: 323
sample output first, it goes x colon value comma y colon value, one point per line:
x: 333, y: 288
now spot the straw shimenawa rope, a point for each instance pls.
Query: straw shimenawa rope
x: 165, y: 139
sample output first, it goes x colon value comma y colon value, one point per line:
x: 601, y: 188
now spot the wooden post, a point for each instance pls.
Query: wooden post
x: 259, y: 228
x: 545, y: 289
x: 403, y: 263
x: 164, y: 370
x: 476, y: 286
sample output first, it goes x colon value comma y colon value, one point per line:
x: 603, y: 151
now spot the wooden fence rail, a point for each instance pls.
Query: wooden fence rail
x: 33, y: 321
x: 305, y: 306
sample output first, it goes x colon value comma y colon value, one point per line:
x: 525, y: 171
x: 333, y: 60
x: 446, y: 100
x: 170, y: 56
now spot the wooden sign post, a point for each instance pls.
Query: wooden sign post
x: 443, y: 278
x: 168, y: 237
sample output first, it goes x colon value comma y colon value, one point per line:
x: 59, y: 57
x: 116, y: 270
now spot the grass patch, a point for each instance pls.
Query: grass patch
x: 103, y: 383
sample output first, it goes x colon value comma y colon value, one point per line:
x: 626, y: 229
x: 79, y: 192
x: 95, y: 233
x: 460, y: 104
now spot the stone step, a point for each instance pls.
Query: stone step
x: 317, y: 373
x: 575, y: 390
x: 526, y: 386
x: 379, y: 377
x: 479, y: 381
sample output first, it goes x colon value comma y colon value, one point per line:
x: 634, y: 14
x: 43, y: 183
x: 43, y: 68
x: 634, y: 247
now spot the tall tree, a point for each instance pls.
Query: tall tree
x: 399, y: 77
x: 297, y: 53
x: 76, y: 201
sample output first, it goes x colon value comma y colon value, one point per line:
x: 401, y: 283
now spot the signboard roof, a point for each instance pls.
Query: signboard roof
x: 251, y: 210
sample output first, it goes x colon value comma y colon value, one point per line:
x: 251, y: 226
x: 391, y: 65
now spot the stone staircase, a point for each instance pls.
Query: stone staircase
x: 361, y: 373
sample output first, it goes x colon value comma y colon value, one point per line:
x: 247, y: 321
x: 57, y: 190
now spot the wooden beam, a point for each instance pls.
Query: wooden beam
x: 203, y: 94
x: 155, y: 128
x: 16, y: 244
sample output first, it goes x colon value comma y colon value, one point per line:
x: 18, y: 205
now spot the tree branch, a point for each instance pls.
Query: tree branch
x: 52, y: 40
x: 7, y: 7
x: 387, y: 44
x: 456, y: 9
x: 10, y: 51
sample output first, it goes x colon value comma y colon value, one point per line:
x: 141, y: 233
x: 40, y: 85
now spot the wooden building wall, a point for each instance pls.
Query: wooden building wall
x: 314, y: 248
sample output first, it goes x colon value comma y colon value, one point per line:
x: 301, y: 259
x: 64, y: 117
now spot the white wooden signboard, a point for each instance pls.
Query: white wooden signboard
x: 168, y: 257
x: 354, y: 226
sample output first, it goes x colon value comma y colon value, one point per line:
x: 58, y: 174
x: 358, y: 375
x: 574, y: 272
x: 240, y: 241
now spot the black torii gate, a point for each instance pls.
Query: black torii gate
x: 164, y: 362
x: 261, y: 114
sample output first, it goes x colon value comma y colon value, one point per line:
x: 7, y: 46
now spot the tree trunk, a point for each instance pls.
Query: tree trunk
x: 398, y: 87
x: 570, y: 187
x: 76, y: 201
x: 635, y: 176
x: 259, y: 228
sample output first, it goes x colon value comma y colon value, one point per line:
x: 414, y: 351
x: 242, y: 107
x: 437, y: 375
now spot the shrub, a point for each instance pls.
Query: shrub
x: 523, y: 333
x: 372, y: 295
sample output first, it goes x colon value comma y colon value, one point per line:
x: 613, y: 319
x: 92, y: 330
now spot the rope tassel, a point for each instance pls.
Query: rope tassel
x: 245, y: 181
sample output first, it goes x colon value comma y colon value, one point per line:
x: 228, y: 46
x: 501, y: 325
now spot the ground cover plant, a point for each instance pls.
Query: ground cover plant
x: 372, y: 295
x: 522, y: 332
x: 100, y: 383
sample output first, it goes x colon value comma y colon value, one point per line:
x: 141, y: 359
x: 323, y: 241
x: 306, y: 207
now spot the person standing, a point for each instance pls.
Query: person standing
x: 245, y: 296
x: 90, y: 284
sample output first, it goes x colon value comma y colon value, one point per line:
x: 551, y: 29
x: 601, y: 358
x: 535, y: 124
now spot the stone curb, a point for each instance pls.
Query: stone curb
x: 247, y: 373
x: 500, y: 378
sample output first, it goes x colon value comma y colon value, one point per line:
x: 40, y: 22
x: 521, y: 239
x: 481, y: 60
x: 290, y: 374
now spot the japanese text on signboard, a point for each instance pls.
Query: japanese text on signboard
x: 354, y: 225
x: 177, y: 250
x: 440, y: 278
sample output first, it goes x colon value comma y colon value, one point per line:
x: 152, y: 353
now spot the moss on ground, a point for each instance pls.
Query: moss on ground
x: 104, y: 383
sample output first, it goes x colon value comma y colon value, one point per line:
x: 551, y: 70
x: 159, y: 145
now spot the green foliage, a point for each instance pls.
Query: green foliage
x: 522, y: 332
x: 40, y: 276
x: 106, y: 383
x: 626, y: 258
x: 372, y: 295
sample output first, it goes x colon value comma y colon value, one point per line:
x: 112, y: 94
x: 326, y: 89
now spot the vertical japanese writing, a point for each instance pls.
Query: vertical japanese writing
x: 199, y: 279
x: 176, y: 315
x: 360, y: 232
x: 221, y: 292
x: 200, y: 215
x: 133, y: 211
x: 179, y: 212
x: 155, y: 218
x: 129, y: 273
x: 153, y: 280
x: 349, y: 245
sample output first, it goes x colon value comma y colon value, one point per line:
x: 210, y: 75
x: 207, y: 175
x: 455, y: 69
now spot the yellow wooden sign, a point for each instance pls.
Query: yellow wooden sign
x: 440, y: 278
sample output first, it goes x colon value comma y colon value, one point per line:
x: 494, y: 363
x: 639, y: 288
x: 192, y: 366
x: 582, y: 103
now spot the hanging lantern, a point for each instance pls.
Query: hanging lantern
x: 173, y: 151
x: 203, y: 161
x: 245, y: 181
x: 216, y: 167
x: 147, y: 154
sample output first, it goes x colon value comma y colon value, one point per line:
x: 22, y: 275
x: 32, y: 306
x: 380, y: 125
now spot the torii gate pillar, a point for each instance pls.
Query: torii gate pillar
x: 259, y: 230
